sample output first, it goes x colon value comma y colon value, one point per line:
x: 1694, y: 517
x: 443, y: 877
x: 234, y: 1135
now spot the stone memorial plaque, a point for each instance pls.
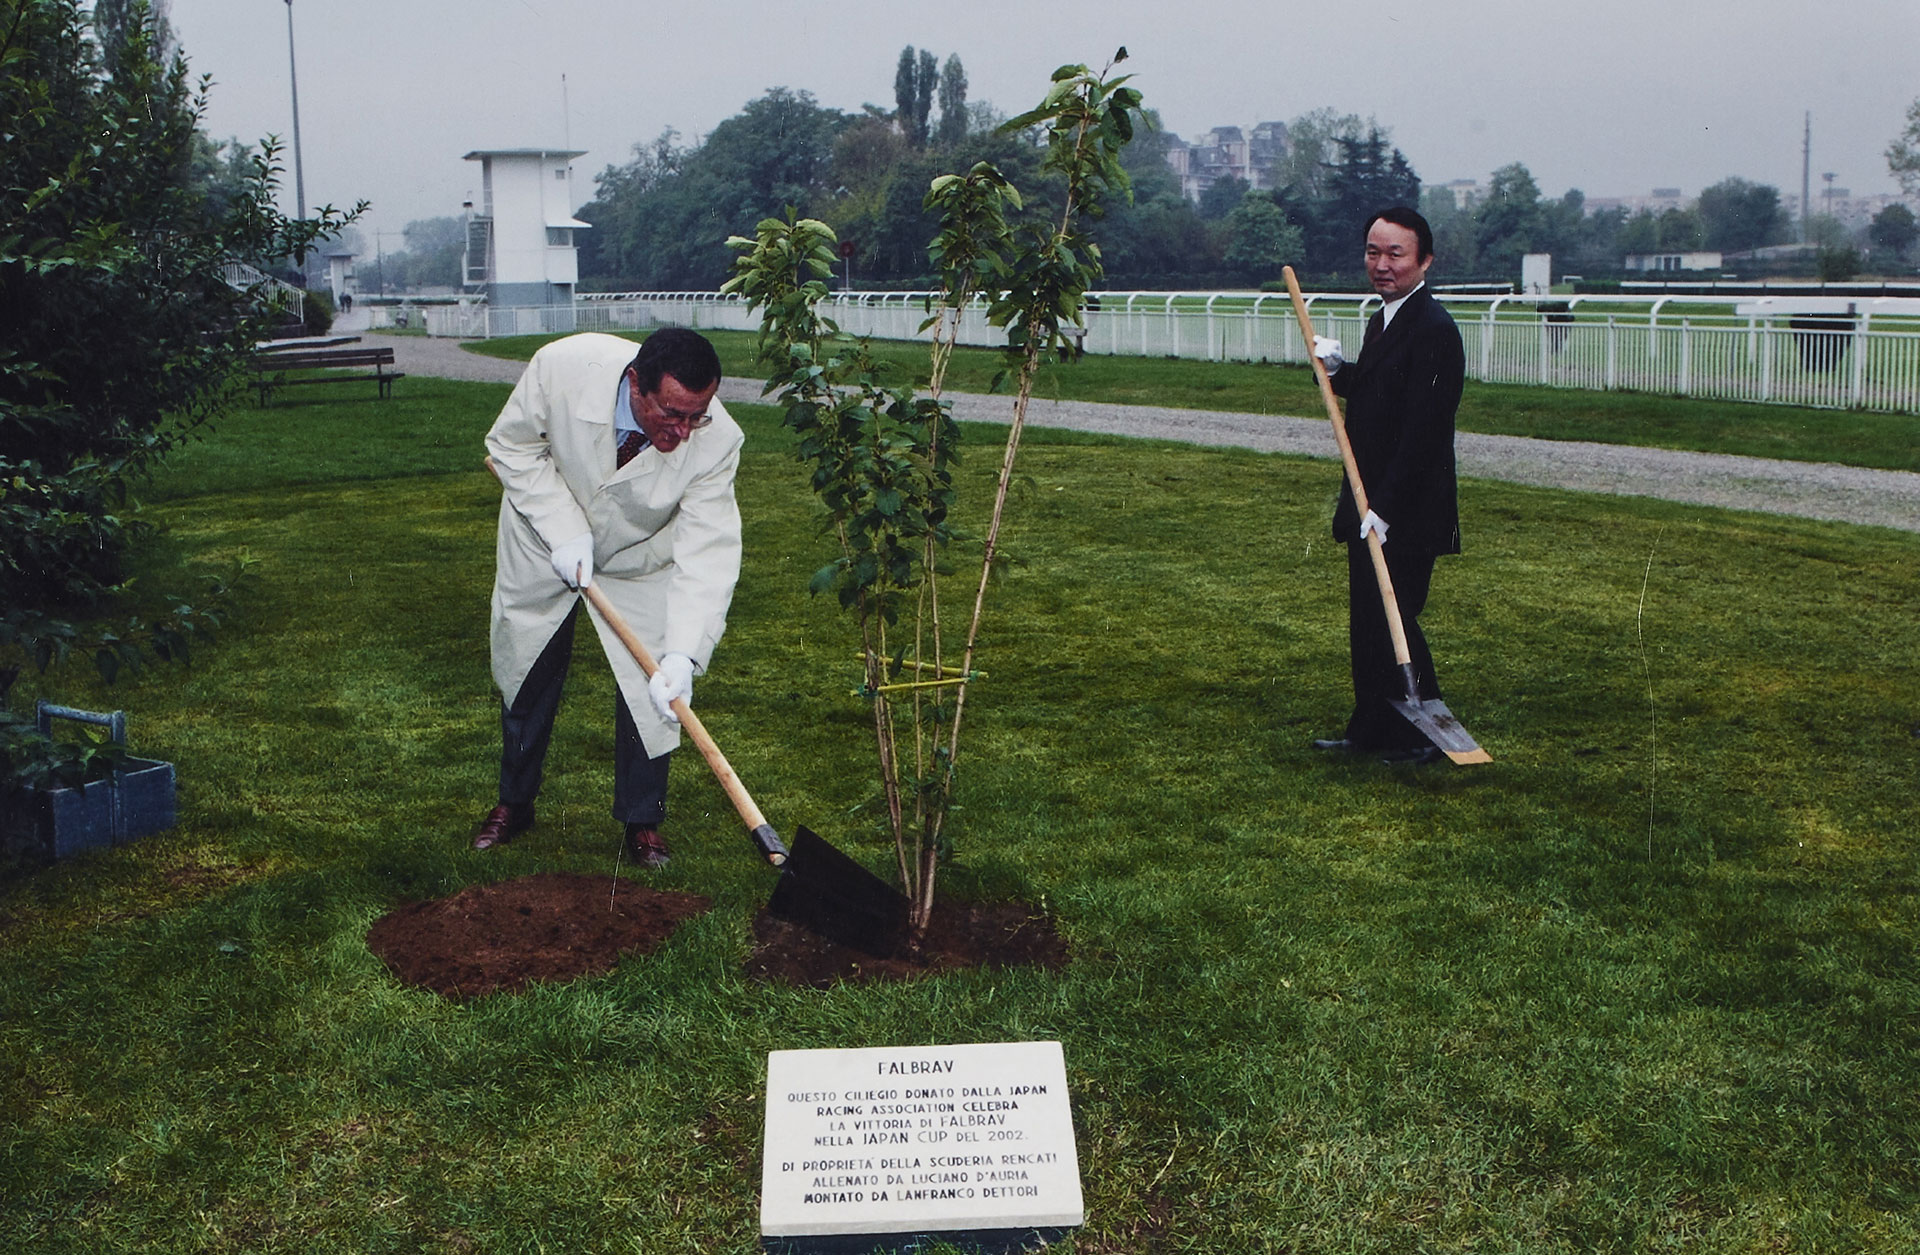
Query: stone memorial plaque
x: 919, y: 1139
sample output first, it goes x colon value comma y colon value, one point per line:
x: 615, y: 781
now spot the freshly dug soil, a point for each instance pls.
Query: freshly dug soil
x: 962, y: 935
x: 553, y: 926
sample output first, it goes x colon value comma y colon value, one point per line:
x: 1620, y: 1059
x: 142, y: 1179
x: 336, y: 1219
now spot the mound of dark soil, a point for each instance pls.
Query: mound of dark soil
x: 962, y: 935
x: 552, y: 926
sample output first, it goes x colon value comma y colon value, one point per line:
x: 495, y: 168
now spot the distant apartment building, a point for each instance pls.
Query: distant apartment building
x: 1852, y: 212
x: 1227, y: 152
x: 1658, y: 201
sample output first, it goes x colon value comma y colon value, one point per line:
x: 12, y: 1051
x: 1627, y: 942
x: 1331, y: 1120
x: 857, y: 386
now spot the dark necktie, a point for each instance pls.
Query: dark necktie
x: 1375, y: 325
x: 630, y: 446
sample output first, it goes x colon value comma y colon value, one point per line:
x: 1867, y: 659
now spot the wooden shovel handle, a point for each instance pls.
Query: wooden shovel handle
x: 1401, y: 653
x: 722, y: 770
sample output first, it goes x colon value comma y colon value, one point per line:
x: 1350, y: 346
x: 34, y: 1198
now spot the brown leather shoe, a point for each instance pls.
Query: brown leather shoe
x: 502, y: 824
x: 646, y: 845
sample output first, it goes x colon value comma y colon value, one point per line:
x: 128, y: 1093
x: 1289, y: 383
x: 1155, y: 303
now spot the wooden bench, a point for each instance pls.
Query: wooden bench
x: 271, y: 369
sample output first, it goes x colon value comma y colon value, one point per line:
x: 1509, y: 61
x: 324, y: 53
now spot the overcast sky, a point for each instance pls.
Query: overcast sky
x: 1614, y: 97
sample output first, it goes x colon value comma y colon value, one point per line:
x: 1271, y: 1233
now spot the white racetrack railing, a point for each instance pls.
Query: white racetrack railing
x: 1674, y: 345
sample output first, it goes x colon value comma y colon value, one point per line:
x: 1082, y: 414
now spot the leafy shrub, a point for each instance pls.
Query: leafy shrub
x: 318, y: 312
x: 120, y: 328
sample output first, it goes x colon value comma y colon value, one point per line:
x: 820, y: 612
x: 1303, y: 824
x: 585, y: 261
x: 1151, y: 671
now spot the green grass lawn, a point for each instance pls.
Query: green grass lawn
x: 1647, y: 982
x: 1852, y: 437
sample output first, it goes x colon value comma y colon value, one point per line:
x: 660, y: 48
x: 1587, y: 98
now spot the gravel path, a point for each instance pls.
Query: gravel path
x: 1817, y: 490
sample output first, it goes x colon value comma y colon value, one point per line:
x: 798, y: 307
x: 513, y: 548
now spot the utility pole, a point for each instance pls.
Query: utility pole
x: 566, y: 138
x: 299, y: 175
x: 1805, y: 171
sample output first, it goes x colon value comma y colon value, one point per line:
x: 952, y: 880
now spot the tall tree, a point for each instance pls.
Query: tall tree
x: 662, y: 221
x: 1736, y: 215
x: 1563, y: 224
x: 1509, y: 221
x: 1222, y: 197
x: 1894, y: 231
x: 906, y: 75
x: 1681, y: 230
x: 1903, y: 154
x: 119, y: 24
x: 1452, y: 222
x: 1669, y: 231
x: 1156, y: 239
x: 926, y: 82
x: 1312, y: 149
x: 953, y: 102
x: 434, y: 249
x: 617, y: 250
x: 1366, y: 179
x: 118, y: 333
x: 916, y: 78
x: 1260, y: 240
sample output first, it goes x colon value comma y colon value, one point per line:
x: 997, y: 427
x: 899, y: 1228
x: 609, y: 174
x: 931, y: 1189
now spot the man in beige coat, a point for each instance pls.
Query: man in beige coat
x: 617, y: 468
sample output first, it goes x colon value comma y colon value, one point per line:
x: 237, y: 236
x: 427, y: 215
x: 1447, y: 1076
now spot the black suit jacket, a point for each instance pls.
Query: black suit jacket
x: 1401, y: 397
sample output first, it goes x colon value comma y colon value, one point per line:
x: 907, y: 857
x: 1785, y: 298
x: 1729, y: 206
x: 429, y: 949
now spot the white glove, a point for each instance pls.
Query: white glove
x: 673, y: 678
x: 1328, y: 351
x: 573, y: 560
x: 1373, y: 523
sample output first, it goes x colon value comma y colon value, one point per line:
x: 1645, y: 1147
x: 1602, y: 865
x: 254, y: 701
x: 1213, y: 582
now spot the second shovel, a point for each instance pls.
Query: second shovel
x: 1430, y: 715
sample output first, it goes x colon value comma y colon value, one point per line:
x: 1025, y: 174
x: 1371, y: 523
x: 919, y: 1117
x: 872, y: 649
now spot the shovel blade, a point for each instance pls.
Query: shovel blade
x: 826, y: 892
x: 1432, y: 717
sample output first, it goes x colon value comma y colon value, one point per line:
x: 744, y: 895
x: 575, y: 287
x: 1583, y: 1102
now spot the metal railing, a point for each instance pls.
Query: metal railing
x: 241, y: 277
x: 1674, y: 345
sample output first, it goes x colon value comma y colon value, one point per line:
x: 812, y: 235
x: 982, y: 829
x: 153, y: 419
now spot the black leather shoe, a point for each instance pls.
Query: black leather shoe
x: 646, y: 845
x: 502, y: 824
x: 1418, y: 757
x: 1340, y: 745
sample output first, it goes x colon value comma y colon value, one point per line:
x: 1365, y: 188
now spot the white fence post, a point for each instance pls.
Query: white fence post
x: 1766, y: 363
x: 1686, y: 356
x: 1860, y: 348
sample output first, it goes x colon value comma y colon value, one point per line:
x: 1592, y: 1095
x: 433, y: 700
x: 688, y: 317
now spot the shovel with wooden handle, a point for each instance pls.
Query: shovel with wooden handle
x: 764, y: 838
x: 1430, y: 715
x: 820, y: 888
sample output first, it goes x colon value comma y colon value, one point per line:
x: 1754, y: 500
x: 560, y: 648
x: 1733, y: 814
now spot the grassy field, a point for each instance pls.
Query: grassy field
x: 1851, y: 437
x: 1648, y: 982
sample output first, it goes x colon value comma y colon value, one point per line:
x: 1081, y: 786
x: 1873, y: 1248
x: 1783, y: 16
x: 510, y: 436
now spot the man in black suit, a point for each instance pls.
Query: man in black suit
x: 1401, y: 396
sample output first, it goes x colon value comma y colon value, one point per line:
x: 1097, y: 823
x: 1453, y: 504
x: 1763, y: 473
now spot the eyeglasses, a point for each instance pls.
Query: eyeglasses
x: 692, y: 422
x: 674, y: 418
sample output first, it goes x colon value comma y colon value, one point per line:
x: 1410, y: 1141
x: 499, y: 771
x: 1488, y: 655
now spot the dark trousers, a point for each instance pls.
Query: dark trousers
x: 526, y: 725
x: 1375, y: 724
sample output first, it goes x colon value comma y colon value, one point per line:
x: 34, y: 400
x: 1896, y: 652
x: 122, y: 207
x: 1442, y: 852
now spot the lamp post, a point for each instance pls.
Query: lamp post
x: 299, y: 176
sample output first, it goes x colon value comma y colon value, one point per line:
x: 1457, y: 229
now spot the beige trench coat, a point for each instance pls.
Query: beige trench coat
x: 666, y: 530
